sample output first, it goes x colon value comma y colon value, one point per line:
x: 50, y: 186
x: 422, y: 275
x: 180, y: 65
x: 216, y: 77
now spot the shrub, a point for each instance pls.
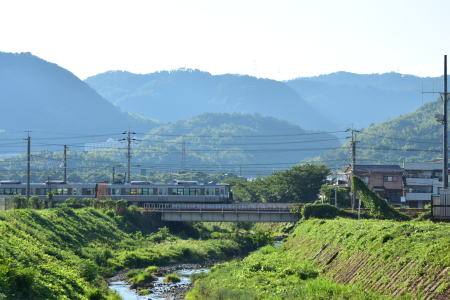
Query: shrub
x: 151, y: 269
x: 377, y: 206
x: 321, y: 211
x: 172, y: 278
x: 95, y: 294
x: 88, y: 271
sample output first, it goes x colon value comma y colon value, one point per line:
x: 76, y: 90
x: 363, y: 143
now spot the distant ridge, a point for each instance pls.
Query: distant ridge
x: 39, y: 95
x: 363, y: 99
x: 176, y: 95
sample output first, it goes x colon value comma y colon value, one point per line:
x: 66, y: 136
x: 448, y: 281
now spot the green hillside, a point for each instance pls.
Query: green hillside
x: 249, y: 145
x: 340, y: 259
x: 412, y: 137
x: 65, y: 253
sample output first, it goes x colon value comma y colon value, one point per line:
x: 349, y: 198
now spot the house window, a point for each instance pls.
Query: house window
x: 389, y: 178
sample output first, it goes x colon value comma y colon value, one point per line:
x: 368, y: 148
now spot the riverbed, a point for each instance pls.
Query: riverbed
x: 161, y: 290
x: 167, y: 291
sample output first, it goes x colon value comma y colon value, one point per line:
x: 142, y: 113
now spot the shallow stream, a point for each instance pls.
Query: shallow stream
x: 161, y: 290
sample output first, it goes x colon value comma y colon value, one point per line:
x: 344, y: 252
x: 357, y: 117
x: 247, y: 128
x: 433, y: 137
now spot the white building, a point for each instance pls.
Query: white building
x: 421, y: 181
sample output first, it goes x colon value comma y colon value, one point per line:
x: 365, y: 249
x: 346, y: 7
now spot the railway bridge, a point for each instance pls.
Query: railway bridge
x: 236, y: 212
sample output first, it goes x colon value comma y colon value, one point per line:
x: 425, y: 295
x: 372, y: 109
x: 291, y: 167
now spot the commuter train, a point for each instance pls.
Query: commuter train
x: 135, y: 191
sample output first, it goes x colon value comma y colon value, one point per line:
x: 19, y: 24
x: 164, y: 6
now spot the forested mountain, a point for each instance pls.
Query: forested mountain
x: 249, y: 145
x: 364, y: 99
x: 41, y: 96
x: 413, y: 137
x: 178, y: 95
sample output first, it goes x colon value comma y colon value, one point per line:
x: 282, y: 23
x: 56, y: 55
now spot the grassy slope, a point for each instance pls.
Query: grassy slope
x: 368, y: 256
x: 65, y: 253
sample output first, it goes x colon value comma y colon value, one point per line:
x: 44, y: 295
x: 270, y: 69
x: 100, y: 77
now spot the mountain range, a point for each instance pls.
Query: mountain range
x: 326, y: 102
x: 41, y: 96
x: 182, y: 94
x: 205, y: 109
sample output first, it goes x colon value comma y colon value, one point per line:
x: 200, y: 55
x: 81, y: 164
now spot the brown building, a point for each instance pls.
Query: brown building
x: 387, y: 180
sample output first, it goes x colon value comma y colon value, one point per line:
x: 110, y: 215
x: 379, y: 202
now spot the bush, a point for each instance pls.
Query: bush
x: 320, y: 211
x: 172, y: 278
x: 88, y: 271
x: 95, y: 294
x: 377, y: 206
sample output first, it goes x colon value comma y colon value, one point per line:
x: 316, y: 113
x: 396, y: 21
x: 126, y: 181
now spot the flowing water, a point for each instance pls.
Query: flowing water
x: 161, y: 290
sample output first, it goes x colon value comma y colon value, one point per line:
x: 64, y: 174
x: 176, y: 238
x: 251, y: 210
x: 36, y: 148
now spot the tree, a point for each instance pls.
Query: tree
x: 35, y: 202
x: 20, y: 202
x: 327, y: 193
x: 299, y: 184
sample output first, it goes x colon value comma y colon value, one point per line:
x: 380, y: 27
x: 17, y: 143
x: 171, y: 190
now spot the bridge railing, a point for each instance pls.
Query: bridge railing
x: 242, y: 207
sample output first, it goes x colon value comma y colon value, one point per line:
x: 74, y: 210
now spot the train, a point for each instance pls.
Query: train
x: 180, y: 191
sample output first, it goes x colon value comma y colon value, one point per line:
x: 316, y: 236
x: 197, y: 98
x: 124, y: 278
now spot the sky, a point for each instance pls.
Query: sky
x: 278, y: 39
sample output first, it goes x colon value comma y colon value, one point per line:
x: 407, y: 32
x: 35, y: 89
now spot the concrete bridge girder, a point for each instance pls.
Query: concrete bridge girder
x: 228, y: 216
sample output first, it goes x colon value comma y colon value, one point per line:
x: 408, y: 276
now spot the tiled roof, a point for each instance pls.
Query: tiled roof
x: 378, y: 168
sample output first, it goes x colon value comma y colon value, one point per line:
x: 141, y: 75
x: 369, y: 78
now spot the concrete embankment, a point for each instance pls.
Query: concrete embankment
x: 393, y: 258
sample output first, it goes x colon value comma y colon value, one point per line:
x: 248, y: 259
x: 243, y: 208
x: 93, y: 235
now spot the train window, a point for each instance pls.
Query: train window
x: 192, y: 191
x: 217, y: 191
x: 222, y: 191
x: 86, y: 191
x: 40, y: 191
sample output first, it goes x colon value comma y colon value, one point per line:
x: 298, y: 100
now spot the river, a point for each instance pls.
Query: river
x: 161, y: 290
x: 164, y: 291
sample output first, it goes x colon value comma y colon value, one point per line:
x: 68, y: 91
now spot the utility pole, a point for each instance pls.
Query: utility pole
x: 113, y: 174
x: 65, y: 163
x: 129, y: 139
x: 336, y: 185
x: 183, y: 154
x: 445, y: 123
x: 28, y: 164
x: 353, y: 147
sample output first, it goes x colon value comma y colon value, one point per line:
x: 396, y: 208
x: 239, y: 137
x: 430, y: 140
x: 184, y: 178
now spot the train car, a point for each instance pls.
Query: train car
x: 136, y: 191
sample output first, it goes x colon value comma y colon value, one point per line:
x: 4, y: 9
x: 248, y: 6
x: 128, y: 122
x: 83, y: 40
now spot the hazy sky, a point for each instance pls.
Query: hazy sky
x: 278, y: 39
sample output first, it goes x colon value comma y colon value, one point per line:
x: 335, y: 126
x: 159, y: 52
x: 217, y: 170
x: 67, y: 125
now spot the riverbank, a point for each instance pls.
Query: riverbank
x: 68, y: 253
x: 159, y: 288
x: 341, y: 258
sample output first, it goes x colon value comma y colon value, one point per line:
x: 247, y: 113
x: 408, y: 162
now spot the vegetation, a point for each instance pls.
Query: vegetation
x: 172, y: 278
x: 327, y: 194
x: 398, y: 140
x: 376, y: 205
x: 300, y: 183
x: 66, y: 253
x: 215, y: 143
x: 320, y: 256
x: 271, y: 273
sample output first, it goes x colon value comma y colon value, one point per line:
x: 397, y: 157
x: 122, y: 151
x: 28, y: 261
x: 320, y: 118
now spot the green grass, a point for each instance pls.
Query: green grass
x: 172, y: 278
x: 381, y: 257
x: 271, y: 273
x: 67, y: 253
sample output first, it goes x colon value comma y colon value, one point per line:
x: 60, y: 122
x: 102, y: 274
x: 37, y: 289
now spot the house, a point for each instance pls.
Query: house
x: 421, y: 181
x: 386, y: 180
